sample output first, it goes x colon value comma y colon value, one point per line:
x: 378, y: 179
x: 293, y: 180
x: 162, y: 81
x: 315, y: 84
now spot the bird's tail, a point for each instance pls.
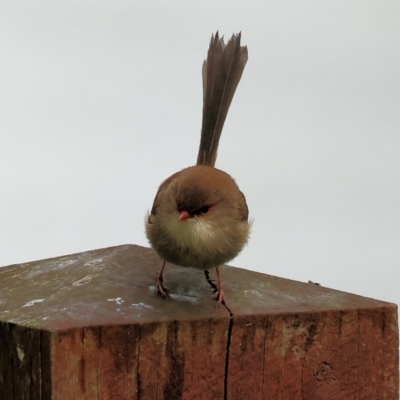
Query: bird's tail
x: 221, y: 74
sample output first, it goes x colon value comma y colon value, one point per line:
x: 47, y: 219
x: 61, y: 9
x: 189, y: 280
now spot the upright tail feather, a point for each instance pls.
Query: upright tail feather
x: 221, y: 74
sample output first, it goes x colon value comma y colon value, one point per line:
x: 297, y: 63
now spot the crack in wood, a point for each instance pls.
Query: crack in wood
x: 263, y: 362
x: 41, y: 364
x: 176, y: 362
x: 138, y: 380
x: 12, y: 364
x: 210, y: 281
x: 229, y: 338
x: 98, y: 363
x: 82, y: 362
x: 228, y: 348
x: 45, y: 361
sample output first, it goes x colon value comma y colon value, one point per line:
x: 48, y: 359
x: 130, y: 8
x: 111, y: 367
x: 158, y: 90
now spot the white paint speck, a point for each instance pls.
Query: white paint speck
x: 66, y: 263
x: 141, y: 305
x: 32, y: 302
x: 252, y: 293
x: 82, y: 281
x: 93, y: 263
x: 117, y: 300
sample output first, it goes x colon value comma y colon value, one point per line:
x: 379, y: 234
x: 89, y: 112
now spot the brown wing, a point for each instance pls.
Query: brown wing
x: 160, y: 190
x: 243, y: 209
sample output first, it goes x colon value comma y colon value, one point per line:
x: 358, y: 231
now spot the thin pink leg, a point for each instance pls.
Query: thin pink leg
x: 219, y: 295
x: 160, y: 288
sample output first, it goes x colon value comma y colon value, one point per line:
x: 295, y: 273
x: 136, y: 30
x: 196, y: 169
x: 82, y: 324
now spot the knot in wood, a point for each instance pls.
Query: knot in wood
x: 323, y: 372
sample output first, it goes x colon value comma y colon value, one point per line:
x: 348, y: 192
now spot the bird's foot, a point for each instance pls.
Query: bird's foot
x: 219, y: 296
x: 161, y: 290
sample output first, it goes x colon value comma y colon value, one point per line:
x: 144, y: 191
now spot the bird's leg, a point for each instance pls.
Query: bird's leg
x: 160, y: 288
x: 219, y: 294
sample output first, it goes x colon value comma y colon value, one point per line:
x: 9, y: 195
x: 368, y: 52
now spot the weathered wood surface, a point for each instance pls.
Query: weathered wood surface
x: 88, y: 326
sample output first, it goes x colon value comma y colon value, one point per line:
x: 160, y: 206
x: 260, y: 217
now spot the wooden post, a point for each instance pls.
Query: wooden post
x: 88, y: 326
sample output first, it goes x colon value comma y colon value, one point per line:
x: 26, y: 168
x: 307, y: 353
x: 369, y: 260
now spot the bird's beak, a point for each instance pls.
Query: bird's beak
x: 183, y: 215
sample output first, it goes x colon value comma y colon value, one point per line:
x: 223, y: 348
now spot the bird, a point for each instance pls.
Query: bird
x: 199, y: 216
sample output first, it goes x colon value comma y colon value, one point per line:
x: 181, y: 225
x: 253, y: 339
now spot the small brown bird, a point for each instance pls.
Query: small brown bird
x: 199, y: 216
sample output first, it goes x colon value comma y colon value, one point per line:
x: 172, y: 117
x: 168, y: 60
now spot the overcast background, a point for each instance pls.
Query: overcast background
x: 100, y: 101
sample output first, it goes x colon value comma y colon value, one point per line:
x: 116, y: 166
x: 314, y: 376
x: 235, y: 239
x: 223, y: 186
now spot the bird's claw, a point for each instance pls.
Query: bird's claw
x: 161, y: 290
x: 219, y: 296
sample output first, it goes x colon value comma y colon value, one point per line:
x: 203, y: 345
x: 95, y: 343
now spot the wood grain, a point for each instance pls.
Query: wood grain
x: 88, y: 326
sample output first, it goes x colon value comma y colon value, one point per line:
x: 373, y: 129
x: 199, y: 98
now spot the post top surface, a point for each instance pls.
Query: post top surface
x: 115, y: 285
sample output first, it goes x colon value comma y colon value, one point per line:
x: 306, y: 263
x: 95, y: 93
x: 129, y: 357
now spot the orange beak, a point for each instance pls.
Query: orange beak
x: 183, y: 215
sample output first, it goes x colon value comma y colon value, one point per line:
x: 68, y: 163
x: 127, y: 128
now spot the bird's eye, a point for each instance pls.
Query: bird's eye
x: 204, y: 210
x: 201, y: 211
